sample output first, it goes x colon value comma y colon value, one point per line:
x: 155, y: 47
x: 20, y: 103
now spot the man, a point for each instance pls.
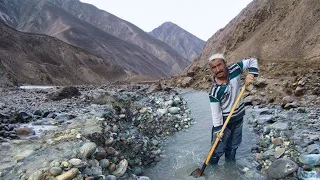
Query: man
x: 223, y: 93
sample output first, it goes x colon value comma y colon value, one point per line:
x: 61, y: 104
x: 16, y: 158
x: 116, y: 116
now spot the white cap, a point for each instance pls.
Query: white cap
x: 216, y: 56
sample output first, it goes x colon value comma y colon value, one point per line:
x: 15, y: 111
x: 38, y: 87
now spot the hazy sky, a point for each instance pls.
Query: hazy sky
x: 201, y: 18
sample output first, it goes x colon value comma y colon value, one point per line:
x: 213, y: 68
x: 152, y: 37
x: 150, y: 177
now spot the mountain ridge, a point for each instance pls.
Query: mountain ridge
x: 179, y: 39
x: 27, y: 58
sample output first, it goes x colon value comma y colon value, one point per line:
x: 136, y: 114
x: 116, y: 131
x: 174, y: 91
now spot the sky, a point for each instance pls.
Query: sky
x: 201, y: 18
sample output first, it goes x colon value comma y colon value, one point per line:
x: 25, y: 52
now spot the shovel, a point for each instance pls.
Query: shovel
x: 199, y: 172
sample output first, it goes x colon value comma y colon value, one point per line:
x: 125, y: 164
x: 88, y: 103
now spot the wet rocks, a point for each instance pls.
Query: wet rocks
x: 288, y: 141
x: 121, y: 169
x: 55, y: 171
x: 281, y: 168
x: 116, y: 137
x: 72, y: 173
x: 87, y: 149
x: 310, y: 159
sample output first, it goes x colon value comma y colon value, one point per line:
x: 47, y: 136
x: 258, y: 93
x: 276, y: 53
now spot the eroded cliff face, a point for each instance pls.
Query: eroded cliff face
x: 40, y: 59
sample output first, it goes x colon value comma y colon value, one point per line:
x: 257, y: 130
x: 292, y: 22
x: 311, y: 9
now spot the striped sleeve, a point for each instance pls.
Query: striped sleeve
x: 251, y: 64
x: 216, y: 111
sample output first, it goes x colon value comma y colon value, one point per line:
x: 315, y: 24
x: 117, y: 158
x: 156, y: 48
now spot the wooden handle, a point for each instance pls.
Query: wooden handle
x: 216, y: 142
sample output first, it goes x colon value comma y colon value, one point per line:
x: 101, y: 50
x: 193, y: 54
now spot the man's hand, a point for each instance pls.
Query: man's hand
x: 219, y: 135
x: 249, y: 79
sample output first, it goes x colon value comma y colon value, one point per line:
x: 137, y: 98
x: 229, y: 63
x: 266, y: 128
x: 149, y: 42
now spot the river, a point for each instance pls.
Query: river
x: 187, y: 150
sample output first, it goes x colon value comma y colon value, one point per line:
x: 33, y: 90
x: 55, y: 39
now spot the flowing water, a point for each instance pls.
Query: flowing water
x: 187, y: 150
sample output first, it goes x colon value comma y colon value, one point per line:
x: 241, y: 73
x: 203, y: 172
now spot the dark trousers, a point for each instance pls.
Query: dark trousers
x: 230, y: 142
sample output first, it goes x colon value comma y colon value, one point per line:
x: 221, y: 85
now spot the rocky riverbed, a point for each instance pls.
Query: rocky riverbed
x: 105, y: 132
x: 289, y: 142
x: 116, y: 132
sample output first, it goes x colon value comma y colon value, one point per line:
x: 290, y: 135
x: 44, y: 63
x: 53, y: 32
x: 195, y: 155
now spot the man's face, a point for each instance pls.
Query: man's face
x: 219, y: 68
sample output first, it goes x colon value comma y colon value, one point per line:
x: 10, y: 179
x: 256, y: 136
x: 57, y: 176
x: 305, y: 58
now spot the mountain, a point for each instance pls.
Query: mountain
x: 127, y: 32
x: 188, y: 45
x: 283, y: 35
x: 41, y: 59
x: 44, y: 17
x: 270, y: 30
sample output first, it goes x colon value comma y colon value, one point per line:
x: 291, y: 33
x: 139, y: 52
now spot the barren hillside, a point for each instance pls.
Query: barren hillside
x: 283, y: 35
x: 40, y: 59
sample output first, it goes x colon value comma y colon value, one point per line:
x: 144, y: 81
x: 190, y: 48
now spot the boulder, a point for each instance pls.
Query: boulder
x: 281, y: 168
x: 65, y: 93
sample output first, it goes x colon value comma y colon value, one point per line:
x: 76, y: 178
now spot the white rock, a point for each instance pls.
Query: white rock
x: 174, y: 110
x: 75, y: 161
x: 88, y: 149
x: 121, y: 168
x: 161, y: 112
x: 168, y: 103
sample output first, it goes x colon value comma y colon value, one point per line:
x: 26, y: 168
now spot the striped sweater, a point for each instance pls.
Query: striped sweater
x: 222, y: 97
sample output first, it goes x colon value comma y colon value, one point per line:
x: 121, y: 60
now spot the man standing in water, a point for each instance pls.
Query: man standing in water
x: 223, y: 93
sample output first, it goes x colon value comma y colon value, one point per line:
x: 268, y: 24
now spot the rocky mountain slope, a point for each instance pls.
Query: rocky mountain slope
x: 125, y: 31
x: 283, y: 35
x: 179, y: 39
x: 44, y: 17
x: 41, y: 59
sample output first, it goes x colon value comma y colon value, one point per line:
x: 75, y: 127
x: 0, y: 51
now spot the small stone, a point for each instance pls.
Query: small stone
x: 143, y: 178
x: 25, y: 131
x: 55, y: 171
x: 112, y: 167
x: 174, y: 110
x: 72, y: 173
x: 277, y: 141
x: 279, y: 152
x: 162, y: 112
x: 258, y: 156
x: 115, y: 129
x: 110, y: 151
x: 121, y: 168
x: 143, y: 110
x: 64, y: 164
x: 313, y: 149
x: 87, y: 149
x: 75, y: 162
x: 104, y: 163
x: 111, y: 177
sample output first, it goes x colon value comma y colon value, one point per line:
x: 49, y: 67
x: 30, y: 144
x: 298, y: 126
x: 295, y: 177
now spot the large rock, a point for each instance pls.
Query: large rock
x: 280, y: 125
x: 154, y: 88
x: 281, y: 168
x: 310, y: 159
x: 260, y: 83
x: 64, y: 93
x: 252, y: 100
x: 286, y: 100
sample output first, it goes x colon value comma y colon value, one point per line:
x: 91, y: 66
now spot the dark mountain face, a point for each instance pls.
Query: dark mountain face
x: 125, y: 31
x: 40, y: 59
x: 44, y: 17
x: 182, y: 41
